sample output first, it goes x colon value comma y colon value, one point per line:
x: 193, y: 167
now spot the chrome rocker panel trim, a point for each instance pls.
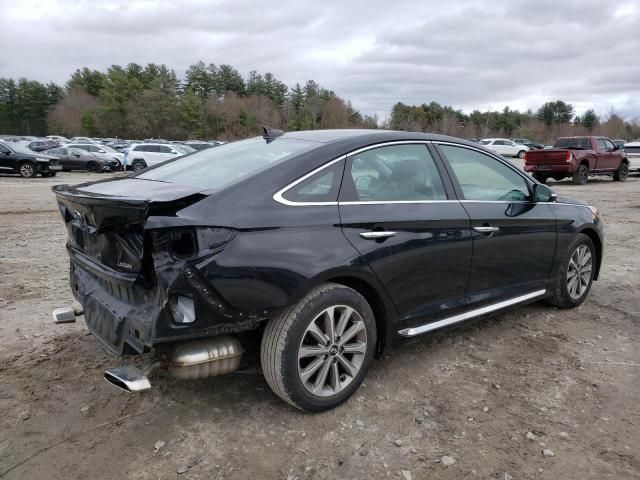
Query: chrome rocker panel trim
x: 412, y: 332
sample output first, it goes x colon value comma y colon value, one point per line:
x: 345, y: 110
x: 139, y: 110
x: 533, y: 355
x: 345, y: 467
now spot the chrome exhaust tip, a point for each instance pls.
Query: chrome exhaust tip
x: 128, y: 378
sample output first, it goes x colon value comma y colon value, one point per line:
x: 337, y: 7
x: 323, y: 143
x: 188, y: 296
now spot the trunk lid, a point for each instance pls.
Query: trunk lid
x: 105, y: 221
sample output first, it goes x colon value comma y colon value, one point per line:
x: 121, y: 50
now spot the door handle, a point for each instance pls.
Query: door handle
x: 486, y: 229
x: 376, y: 235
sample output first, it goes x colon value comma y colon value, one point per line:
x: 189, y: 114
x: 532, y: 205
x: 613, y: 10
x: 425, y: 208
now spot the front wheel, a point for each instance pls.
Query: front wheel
x: 316, y: 353
x: 27, y: 170
x: 581, y: 175
x: 521, y: 154
x: 575, y: 277
x: 622, y: 173
x: 138, y: 165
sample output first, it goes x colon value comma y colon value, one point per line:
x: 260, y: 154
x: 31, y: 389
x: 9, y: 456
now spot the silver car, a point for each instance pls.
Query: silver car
x: 633, y: 154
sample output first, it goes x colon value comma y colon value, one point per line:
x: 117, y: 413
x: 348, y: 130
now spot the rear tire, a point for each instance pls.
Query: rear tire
x: 521, y: 154
x: 138, y: 165
x: 581, y: 175
x: 27, y: 170
x: 541, y: 178
x: 575, y: 274
x: 622, y: 173
x: 316, y: 353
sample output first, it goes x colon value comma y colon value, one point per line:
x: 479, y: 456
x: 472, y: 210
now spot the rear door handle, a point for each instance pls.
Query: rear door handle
x: 375, y: 235
x: 486, y: 229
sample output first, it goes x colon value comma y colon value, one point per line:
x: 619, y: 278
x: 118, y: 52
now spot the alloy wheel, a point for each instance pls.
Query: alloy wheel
x: 579, y: 271
x: 26, y: 170
x: 332, y: 350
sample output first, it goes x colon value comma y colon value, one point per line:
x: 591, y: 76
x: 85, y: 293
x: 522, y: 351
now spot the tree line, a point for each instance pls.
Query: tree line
x: 552, y: 120
x: 135, y: 101
x: 216, y: 101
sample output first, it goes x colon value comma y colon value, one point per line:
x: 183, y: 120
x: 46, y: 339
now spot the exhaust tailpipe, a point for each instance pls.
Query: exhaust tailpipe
x: 207, y: 357
x: 128, y: 378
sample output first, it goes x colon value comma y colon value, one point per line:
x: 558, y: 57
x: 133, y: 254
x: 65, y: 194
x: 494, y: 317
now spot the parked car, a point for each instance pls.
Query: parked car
x: 78, y: 159
x: 101, y: 150
x: 17, y: 158
x: 619, y: 142
x: 505, y: 147
x: 327, y: 245
x: 143, y: 155
x: 39, y: 145
x: 528, y: 143
x: 119, y: 145
x: 578, y: 157
x: 632, y: 150
x: 81, y: 140
x: 196, y: 145
x: 59, y: 138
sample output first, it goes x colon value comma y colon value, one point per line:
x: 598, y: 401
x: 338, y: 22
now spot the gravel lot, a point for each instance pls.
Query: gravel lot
x: 535, y: 392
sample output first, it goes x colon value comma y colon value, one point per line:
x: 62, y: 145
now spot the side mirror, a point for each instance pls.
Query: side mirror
x: 76, y: 155
x: 542, y: 193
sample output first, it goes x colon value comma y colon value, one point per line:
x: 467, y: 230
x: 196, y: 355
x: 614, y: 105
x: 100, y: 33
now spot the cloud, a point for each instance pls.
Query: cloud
x: 374, y: 53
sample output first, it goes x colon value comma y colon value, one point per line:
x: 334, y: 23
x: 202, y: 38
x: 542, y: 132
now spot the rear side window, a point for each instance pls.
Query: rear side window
x: 394, y: 173
x: 320, y: 187
x: 482, y: 177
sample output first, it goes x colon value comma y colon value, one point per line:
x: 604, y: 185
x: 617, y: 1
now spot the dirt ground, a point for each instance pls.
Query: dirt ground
x: 491, y: 395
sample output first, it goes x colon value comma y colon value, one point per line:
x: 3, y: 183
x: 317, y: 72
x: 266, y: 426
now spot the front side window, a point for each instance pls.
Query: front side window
x: 165, y: 149
x: 601, y: 145
x: 394, y: 173
x: 482, y: 177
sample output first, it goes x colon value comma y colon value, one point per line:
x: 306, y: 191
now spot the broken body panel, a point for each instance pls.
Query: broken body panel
x: 131, y: 254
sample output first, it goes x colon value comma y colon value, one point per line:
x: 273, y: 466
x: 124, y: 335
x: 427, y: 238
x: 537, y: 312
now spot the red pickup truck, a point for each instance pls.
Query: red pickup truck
x: 578, y: 157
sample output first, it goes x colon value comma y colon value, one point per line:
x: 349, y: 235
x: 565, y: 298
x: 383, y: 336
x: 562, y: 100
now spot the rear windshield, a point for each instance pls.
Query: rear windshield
x: 581, y: 143
x: 217, y: 168
x: 485, y: 142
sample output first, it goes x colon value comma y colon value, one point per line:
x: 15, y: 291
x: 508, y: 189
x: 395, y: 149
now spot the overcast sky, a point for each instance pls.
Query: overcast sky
x: 469, y: 54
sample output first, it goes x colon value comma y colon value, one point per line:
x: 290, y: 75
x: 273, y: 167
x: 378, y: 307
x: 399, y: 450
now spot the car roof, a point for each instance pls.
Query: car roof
x: 368, y: 136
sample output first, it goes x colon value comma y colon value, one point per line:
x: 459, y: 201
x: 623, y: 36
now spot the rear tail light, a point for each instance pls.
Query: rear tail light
x: 569, y: 158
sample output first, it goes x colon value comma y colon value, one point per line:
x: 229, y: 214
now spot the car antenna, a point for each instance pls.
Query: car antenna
x: 270, y: 134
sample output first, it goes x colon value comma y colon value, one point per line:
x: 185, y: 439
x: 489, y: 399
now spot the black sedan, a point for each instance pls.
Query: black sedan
x: 328, y: 245
x: 16, y: 158
x: 78, y: 159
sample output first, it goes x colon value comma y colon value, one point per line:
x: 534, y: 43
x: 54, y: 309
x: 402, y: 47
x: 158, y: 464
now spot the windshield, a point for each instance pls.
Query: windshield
x: 581, y: 143
x: 19, y: 148
x: 108, y: 149
x: 184, y: 149
x: 217, y: 168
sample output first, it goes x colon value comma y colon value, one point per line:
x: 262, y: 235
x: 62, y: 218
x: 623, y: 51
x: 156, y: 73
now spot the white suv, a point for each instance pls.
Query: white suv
x: 143, y: 155
x: 504, y: 146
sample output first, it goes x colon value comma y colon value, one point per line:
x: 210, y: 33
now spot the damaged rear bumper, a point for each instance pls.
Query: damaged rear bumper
x: 131, y: 318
